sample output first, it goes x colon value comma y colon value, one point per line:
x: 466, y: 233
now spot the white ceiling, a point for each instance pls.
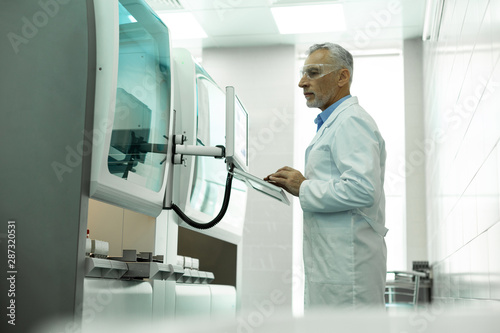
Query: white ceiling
x: 371, y: 24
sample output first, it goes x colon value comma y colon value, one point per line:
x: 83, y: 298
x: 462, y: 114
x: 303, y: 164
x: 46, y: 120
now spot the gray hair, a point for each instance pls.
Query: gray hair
x: 338, y: 55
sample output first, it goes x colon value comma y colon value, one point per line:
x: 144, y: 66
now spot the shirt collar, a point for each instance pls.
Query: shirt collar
x: 323, y: 116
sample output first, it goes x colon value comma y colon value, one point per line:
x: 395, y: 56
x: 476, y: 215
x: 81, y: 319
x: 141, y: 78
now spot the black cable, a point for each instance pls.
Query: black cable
x: 222, y: 212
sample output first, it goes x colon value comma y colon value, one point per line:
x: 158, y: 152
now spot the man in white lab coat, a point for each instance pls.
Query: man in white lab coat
x: 341, y: 192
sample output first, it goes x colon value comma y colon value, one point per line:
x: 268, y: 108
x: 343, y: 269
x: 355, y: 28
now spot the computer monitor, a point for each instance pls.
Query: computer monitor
x: 132, y: 106
x: 236, y: 131
x: 237, y: 148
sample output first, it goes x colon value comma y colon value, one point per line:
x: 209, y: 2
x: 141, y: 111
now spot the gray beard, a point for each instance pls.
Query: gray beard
x: 316, y: 103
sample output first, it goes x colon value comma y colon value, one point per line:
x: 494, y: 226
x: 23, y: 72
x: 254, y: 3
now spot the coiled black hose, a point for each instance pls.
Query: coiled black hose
x: 222, y: 212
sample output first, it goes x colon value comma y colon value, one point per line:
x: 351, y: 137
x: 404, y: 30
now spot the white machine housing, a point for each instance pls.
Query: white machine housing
x: 200, y: 114
x: 133, y: 99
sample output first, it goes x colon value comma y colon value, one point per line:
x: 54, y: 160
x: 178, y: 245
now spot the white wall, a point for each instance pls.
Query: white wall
x: 462, y: 118
x: 378, y: 84
x: 264, y: 81
x: 415, y: 149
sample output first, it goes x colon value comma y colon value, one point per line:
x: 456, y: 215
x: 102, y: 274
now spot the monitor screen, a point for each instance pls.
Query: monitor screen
x: 236, y: 131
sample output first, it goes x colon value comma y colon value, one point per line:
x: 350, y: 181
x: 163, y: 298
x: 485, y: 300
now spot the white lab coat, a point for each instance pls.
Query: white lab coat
x: 344, y: 212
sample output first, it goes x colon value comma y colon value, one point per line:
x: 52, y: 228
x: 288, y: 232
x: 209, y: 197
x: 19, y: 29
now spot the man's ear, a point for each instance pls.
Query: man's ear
x: 344, y: 77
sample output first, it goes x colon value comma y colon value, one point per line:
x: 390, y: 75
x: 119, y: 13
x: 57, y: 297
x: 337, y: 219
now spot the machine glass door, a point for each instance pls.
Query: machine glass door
x: 138, y: 144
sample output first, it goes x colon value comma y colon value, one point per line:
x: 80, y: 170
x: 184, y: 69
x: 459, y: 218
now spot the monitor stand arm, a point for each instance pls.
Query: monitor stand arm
x: 180, y: 149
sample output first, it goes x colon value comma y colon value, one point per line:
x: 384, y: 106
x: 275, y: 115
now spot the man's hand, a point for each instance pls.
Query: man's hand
x: 288, y: 179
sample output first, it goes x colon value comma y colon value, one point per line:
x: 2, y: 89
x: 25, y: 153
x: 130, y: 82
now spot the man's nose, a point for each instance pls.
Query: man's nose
x: 304, y: 82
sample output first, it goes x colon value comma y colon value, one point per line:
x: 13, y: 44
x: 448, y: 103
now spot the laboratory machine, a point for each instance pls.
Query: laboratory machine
x: 169, y: 175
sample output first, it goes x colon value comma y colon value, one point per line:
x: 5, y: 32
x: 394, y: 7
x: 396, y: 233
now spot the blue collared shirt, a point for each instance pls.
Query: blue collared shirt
x: 323, y: 116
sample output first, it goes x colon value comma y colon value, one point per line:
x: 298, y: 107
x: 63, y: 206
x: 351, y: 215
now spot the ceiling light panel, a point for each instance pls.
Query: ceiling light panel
x: 309, y: 19
x: 165, y: 4
x: 279, y: 3
x: 182, y: 25
x: 222, y: 4
x: 237, y: 21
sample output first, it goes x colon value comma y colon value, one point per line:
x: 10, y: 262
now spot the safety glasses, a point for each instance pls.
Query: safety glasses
x: 316, y: 71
